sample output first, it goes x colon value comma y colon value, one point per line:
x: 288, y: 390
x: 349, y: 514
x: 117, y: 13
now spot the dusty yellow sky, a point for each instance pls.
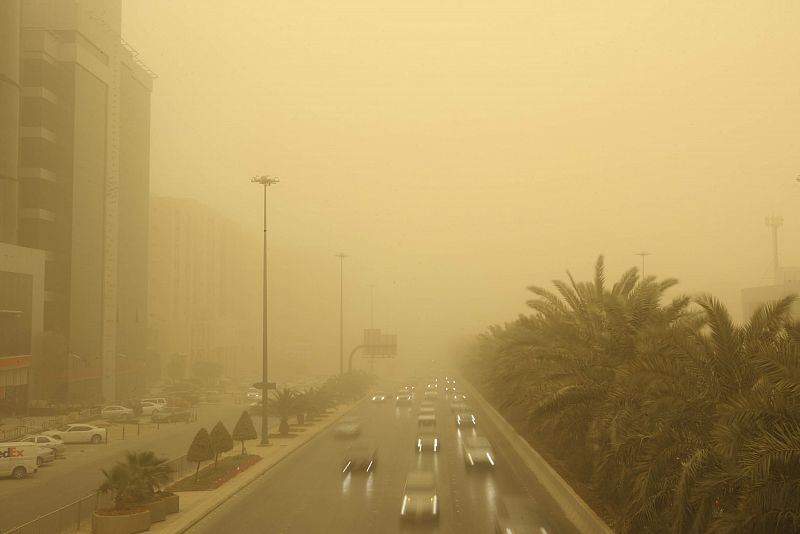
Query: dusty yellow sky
x: 462, y: 150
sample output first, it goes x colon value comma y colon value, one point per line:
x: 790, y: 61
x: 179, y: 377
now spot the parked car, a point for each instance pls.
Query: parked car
x: 148, y: 407
x: 158, y: 401
x: 18, y: 459
x: 420, y: 501
x: 78, y: 433
x: 116, y: 412
x: 58, y: 447
x: 171, y: 414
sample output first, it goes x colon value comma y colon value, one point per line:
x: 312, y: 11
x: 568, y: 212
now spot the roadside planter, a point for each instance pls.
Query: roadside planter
x: 158, y: 510
x: 121, y: 523
x: 172, y: 502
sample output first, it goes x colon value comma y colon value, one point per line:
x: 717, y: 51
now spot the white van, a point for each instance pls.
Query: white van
x: 18, y: 459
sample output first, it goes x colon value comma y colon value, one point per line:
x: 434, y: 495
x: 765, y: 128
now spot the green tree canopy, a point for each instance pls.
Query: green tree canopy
x: 221, y: 441
x: 244, y: 429
x: 200, y: 450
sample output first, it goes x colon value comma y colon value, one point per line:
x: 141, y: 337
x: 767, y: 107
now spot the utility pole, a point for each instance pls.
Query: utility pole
x: 643, y: 255
x: 266, y: 181
x: 774, y: 223
x: 341, y: 257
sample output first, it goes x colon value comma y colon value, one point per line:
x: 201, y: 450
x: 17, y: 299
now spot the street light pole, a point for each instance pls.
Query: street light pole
x: 643, y: 255
x: 266, y: 181
x: 341, y: 257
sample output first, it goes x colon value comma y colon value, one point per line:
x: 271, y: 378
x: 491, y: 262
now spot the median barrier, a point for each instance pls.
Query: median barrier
x: 574, y: 509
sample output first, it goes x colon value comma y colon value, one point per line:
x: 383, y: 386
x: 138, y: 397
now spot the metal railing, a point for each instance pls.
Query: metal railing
x: 78, y: 515
x: 30, y: 425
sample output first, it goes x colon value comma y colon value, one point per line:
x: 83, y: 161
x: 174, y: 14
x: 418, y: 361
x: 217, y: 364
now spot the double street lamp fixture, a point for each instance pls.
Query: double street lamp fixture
x: 266, y: 181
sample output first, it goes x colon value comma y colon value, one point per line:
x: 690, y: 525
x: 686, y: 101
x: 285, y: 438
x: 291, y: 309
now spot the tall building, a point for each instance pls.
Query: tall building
x: 202, y: 274
x: 82, y: 180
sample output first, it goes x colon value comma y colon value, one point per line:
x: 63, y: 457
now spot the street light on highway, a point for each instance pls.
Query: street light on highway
x: 341, y: 257
x: 266, y: 181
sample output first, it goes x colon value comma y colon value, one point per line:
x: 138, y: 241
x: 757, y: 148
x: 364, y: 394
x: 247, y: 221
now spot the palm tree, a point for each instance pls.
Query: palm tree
x: 136, y: 480
x: 282, y: 402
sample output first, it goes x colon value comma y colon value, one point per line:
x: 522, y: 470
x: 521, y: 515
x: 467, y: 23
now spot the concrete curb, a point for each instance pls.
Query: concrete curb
x: 577, y: 512
x: 195, y: 505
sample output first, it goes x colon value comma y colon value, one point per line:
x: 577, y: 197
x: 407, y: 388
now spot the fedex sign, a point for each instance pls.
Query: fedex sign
x: 12, y: 452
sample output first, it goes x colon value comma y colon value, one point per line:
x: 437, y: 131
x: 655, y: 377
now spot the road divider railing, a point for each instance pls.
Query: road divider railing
x: 574, y: 509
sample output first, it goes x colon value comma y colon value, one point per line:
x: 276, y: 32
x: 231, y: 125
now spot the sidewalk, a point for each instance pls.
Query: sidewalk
x: 195, y: 505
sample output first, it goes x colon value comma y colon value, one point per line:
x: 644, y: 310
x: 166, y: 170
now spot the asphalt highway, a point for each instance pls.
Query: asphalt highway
x: 307, y: 492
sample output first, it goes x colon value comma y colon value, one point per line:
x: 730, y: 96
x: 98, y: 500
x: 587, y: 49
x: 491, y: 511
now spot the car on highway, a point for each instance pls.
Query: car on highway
x: 458, y: 397
x: 57, y: 446
x: 420, y: 501
x: 431, y: 395
x: 116, y: 411
x: 378, y: 396
x: 466, y: 419
x: 78, y: 433
x: 427, y: 440
x: 459, y: 407
x: 18, y: 459
x: 171, y: 414
x: 478, y: 451
x: 348, y: 427
x: 148, y: 407
x: 403, y: 398
x: 426, y: 421
x: 253, y: 394
x: 360, y: 456
x: 519, y: 515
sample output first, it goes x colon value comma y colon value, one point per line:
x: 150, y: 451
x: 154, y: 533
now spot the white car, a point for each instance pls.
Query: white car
x: 478, y: 451
x: 420, y: 501
x: 116, y: 412
x: 148, y: 407
x: 348, y: 427
x: 49, y: 442
x: 78, y: 433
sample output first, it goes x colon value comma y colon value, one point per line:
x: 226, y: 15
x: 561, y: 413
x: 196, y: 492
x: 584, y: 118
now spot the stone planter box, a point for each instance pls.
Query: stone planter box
x: 158, y: 510
x: 121, y: 524
x: 172, y: 503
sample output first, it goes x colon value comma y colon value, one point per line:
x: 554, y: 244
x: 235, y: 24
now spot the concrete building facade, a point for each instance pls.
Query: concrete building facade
x: 82, y: 180
x: 201, y: 303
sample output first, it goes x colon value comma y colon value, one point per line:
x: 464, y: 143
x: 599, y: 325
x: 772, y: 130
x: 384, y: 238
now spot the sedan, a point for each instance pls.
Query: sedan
x: 360, y: 456
x: 116, y: 412
x: 518, y: 515
x: 56, y: 445
x: 403, y: 398
x: 427, y: 440
x: 78, y: 433
x: 171, y: 414
x: 478, y: 451
x: 420, y: 501
x: 148, y: 407
x: 348, y: 427
x: 466, y: 419
x: 378, y: 396
x: 44, y: 456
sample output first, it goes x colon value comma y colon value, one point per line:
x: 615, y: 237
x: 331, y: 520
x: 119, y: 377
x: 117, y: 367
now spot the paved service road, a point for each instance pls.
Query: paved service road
x: 65, y: 481
x: 307, y: 493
